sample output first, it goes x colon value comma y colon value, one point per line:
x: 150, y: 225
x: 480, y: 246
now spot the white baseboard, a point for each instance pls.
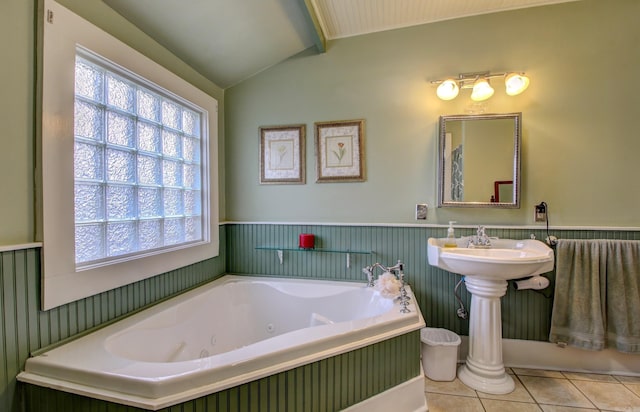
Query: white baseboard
x: 408, y: 396
x: 545, y: 355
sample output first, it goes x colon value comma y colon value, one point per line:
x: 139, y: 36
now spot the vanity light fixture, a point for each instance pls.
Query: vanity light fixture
x: 448, y: 89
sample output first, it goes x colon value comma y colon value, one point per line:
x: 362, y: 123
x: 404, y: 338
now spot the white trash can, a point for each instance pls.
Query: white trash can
x: 439, y: 353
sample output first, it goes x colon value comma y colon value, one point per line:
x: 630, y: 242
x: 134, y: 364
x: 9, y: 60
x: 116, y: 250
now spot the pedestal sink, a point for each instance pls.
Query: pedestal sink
x: 486, y: 272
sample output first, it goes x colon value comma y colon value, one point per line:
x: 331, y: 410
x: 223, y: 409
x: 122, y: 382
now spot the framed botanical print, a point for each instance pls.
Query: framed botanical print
x: 282, y: 154
x: 340, y: 151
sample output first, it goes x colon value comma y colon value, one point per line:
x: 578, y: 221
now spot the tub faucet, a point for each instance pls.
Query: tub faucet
x: 480, y: 240
x: 398, y: 271
x: 368, y: 271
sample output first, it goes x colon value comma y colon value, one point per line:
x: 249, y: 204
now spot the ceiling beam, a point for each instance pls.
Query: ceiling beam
x: 312, y: 18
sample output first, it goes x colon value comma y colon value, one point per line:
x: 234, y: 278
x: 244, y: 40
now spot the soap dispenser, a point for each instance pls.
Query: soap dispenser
x: 451, y: 236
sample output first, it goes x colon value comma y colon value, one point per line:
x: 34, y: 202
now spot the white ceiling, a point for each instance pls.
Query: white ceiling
x: 345, y: 18
x: 228, y: 41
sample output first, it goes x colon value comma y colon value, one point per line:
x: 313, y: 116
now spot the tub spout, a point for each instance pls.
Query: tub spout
x: 368, y: 270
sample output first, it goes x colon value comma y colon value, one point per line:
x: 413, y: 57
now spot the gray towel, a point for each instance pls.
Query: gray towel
x: 597, y: 294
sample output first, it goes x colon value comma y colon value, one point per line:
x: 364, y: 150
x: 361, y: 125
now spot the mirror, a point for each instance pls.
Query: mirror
x: 479, y: 160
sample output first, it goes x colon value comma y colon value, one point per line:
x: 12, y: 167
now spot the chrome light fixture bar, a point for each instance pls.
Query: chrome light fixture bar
x: 448, y: 89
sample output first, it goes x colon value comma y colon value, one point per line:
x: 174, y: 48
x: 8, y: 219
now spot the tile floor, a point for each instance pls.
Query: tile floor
x: 540, y: 390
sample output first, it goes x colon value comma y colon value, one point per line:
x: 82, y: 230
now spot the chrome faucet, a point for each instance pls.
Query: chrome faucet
x: 480, y: 240
x: 398, y: 271
x: 395, y: 270
x: 368, y: 270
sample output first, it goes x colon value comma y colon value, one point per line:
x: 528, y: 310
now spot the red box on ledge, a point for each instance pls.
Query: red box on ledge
x: 306, y: 241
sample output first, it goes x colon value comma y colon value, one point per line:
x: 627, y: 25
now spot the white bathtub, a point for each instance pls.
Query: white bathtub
x: 231, y: 331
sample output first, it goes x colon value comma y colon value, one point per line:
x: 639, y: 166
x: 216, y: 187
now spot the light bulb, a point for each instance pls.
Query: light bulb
x: 447, y: 90
x: 482, y: 90
x: 516, y: 83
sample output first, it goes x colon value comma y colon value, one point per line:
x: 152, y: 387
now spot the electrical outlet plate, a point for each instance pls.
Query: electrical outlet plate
x: 540, y: 213
x: 421, y: 211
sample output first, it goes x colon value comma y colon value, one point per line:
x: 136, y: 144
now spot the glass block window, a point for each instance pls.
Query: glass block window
x: 137, y: 165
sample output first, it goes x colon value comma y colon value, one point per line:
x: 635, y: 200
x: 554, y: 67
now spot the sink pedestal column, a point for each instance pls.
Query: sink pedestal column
x: 484, y: 370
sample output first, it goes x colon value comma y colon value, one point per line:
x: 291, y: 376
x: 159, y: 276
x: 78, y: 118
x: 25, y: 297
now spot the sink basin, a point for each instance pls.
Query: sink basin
x: 505, y: 259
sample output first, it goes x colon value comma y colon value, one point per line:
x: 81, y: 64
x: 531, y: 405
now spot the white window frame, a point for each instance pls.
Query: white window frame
x: 62, y: 283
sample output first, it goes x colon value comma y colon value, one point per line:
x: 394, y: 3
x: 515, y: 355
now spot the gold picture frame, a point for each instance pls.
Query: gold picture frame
x: 340, y: 151
x: 282, y: 154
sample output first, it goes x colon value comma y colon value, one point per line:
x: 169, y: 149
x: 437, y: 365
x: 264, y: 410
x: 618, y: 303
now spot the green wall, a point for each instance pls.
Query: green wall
x: 580, y: 143
x: 16, y: 120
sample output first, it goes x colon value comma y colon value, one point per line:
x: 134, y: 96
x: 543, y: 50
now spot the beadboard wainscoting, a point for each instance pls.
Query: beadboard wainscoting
x: 25, y: 329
